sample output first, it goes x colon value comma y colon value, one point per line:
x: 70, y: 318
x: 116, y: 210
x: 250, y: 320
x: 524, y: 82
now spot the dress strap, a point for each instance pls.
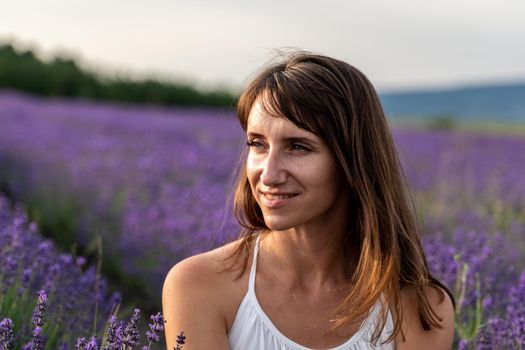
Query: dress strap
x: 251, y: 285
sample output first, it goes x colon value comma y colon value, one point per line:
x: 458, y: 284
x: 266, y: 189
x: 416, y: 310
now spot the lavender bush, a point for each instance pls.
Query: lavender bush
x: 488, y: 286
x: 77, y: 297
x: 151, y: 181
x: 74, y: 299
x: 118, y: 335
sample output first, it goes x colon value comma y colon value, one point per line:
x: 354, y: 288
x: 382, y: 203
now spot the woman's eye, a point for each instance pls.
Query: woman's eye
x: 297, y: 147
x: 293, y: 147
x: 254, y: 144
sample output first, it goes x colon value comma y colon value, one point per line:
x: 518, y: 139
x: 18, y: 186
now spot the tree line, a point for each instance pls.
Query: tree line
x: 23, y: 70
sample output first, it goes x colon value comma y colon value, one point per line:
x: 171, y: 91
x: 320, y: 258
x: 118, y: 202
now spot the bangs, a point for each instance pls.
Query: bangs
x: 282, y: 96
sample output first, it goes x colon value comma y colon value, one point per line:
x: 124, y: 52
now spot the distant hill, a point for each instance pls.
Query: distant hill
x: 502, y: 102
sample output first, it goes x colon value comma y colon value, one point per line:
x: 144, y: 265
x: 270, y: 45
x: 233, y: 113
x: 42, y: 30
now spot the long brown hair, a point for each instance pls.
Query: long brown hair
x: 337, y: 102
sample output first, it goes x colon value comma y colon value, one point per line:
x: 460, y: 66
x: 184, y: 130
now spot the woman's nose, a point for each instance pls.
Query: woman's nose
x: 273, y: 170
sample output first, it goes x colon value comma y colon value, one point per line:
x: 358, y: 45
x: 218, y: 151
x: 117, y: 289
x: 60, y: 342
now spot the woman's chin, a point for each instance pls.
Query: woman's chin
x: 278, y: 225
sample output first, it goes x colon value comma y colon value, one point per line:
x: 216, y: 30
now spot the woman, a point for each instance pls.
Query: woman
x: 329, y: 256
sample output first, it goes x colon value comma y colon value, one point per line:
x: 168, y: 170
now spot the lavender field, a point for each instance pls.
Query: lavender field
x: 152, y: 183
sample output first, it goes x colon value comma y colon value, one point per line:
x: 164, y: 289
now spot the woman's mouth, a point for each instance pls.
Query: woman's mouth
x: 277, y: 200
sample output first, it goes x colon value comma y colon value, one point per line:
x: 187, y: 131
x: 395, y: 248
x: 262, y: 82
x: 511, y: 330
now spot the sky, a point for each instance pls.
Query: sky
x: 398, y: 44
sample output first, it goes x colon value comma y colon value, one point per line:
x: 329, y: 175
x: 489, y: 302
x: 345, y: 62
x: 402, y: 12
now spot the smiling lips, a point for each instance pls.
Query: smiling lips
x: 276, y: 200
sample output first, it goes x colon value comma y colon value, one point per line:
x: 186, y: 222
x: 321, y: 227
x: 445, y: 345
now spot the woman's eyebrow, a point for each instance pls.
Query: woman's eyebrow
x: 254, y: 134
x: 300, y: 140
x: 286, y: 139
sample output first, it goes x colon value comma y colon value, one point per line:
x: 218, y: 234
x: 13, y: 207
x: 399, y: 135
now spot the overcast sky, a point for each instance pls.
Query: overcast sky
x: 397, y: 43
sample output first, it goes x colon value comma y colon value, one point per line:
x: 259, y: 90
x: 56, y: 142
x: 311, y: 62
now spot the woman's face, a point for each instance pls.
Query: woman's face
x: 292, y: 174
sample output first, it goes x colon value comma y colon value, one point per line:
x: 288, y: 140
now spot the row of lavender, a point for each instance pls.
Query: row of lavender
x: 136, y: 176
x: 153, y: 181
x: 50, y: 300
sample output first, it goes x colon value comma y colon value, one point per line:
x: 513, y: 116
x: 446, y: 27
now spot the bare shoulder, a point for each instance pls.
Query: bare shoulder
x: 199, y: 267
x: 193, y: 300
x: 201, y: 270
x: 415, y: 336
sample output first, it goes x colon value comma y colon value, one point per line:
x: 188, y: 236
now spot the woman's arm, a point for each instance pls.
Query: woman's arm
x: 190, y: 305
x: 415, y: 336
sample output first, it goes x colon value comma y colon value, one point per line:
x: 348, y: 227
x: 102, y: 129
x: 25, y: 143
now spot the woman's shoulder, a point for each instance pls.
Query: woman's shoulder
x: 415, y: 336
x: 196, y: 296
x: 203, y: 269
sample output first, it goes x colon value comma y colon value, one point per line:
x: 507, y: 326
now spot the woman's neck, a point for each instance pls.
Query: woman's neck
x: 307, y: 261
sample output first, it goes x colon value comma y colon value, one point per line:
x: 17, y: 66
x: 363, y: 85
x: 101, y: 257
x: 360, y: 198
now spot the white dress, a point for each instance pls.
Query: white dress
x: 252, y: 329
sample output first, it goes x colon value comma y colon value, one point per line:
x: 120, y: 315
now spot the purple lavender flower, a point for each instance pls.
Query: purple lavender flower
x: 38, y: 339
x: 114, y: 335
x: 92, y: 344
x: 80, y: 261
x: 6, y: 334
x: 131, y: 332
x: 81, y: 344
x: 37, y: 343
x: 155, y: 328
x: 181, y: 340
x: 40, y: 309
x: 119, y: 337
